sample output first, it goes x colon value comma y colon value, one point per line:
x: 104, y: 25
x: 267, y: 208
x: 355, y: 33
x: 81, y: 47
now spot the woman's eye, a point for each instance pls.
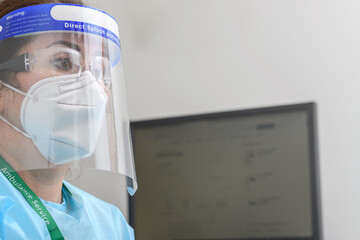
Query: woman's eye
x: 62, y: 63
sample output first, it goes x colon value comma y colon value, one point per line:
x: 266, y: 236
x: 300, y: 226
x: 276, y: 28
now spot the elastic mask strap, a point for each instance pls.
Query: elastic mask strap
x: 15, y: 128
x: 6, y: 121
x: 15, y: 89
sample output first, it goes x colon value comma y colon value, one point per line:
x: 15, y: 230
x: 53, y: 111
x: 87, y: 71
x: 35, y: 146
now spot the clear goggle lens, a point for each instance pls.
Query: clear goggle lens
x: 63, y: 61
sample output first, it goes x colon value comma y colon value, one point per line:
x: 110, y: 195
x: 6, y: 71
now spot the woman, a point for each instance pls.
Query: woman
x: 58, y: 89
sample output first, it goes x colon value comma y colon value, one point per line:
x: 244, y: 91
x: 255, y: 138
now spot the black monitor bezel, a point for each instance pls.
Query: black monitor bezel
x: 309, y: 107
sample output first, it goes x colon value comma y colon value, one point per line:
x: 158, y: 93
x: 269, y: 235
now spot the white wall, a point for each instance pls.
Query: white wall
x: 196, y: 56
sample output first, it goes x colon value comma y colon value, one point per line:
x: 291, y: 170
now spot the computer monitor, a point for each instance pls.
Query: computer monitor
x: 249, y: 174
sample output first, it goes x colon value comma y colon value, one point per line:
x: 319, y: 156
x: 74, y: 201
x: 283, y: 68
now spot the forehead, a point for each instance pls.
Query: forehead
x: 85, y: 42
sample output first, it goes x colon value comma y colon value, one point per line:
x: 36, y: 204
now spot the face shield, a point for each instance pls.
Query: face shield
x: 68, y: 98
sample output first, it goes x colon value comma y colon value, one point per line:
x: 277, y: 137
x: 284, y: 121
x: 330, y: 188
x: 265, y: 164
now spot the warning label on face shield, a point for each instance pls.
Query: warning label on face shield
x: 22, y: 13
x: 41, y: 18
x: 19, y: 24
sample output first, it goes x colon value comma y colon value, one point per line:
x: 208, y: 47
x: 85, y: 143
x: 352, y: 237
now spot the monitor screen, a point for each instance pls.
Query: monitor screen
x: 248, y: 174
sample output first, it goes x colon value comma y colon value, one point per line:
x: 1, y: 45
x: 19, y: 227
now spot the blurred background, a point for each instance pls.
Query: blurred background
x: 186, y: 57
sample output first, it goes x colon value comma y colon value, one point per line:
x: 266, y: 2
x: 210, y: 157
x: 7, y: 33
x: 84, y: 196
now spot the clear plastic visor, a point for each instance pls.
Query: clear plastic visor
x: 65, y: 106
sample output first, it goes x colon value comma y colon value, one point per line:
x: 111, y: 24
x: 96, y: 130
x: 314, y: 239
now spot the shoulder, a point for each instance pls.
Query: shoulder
x: 17, y: 219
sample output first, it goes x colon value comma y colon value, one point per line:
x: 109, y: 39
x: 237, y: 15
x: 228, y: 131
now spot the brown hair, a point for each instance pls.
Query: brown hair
x: 11, y: 46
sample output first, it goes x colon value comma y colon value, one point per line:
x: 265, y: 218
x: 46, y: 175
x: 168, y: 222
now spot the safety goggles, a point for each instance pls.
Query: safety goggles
x: 56, y: 61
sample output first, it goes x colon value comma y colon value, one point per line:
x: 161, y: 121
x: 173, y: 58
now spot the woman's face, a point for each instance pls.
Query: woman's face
x: 41, y: 48
x: 51, y: 54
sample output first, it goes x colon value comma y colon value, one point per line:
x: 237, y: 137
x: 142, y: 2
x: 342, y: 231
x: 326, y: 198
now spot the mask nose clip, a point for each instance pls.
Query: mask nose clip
x: 82, y: 81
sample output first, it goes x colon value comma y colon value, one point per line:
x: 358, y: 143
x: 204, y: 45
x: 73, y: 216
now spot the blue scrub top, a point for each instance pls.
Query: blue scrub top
x: 80, y: 216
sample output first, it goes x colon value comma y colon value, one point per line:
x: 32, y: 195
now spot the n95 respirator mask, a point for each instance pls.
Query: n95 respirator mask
x: 63, y: 116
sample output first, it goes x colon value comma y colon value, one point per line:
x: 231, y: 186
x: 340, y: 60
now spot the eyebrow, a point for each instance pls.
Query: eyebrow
x: 67, y: 44
x: 73, y: 46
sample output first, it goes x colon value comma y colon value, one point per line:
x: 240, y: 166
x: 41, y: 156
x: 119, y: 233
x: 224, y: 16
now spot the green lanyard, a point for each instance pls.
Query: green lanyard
x: 32, y: 199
